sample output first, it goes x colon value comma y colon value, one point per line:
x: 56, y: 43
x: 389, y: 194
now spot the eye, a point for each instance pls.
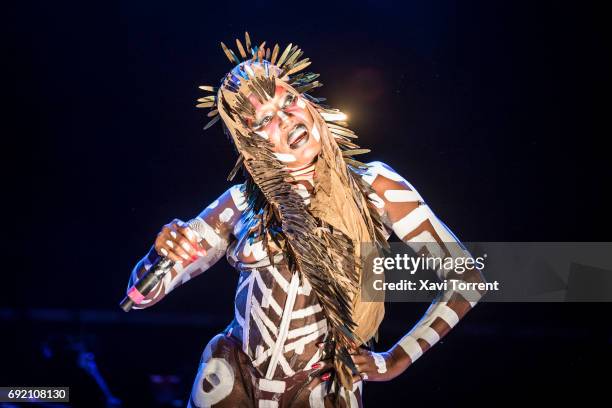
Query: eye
x: 289, y: 100
x: 263, y: 122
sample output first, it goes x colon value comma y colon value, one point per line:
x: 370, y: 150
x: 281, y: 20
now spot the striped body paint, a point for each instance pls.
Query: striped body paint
x: 414, y: 223
x: 278, y: 322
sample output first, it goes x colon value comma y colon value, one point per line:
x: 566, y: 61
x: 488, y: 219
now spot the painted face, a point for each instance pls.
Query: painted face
x: 289, y: 126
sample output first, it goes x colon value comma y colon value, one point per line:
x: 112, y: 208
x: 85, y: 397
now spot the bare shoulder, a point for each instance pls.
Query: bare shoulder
x: 382, y: 177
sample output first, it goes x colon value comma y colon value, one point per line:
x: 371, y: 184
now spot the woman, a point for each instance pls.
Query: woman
x: 301, y: 334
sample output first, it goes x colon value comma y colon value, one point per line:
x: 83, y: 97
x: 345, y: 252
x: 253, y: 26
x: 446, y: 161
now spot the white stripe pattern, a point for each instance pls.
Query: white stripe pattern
x: 435, y: 239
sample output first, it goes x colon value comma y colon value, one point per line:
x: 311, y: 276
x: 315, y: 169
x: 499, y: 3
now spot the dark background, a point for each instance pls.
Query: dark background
x: 488, y: 108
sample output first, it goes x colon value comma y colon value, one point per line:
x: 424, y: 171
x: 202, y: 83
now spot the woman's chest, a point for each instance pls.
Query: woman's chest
x: 250, y: 249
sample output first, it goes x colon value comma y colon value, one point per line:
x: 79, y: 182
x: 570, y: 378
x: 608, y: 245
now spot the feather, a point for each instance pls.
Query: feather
x: 294, y: 56
x: 240, y: 49
x: 274, y: 54
x: 284, y: 55
x: 308, y: 87
x: 208, y: 88
x: 261, y: 51
x: 229, y: 54
x: 236, y: 167
x: 247, y: 40
x: 299, y: 67
x: 212, y: 122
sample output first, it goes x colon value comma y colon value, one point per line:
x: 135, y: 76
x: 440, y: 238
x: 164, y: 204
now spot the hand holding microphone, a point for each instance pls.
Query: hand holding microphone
x: 177, y: 242
x: 180, y: 241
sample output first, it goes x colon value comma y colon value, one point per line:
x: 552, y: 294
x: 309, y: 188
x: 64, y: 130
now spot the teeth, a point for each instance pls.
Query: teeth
x: 296, y: 132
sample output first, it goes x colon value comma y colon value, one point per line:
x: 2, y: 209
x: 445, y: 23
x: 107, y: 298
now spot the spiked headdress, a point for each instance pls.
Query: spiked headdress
x: 322, y: 240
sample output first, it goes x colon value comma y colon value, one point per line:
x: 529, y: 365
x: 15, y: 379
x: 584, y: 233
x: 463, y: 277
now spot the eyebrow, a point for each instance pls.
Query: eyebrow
x: 279, y: 104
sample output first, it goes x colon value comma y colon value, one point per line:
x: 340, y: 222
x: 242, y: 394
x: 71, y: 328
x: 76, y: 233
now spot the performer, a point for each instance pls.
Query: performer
x: 301, y: 335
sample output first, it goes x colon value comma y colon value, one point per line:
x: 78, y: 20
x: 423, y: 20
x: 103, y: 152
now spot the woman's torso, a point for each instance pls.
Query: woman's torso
x: 277, y: 317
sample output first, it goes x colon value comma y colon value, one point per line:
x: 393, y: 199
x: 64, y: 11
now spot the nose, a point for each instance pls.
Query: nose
x: 284, y: 118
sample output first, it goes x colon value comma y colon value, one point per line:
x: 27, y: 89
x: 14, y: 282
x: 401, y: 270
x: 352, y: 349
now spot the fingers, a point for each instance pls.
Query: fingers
x: 318, y: 378
x: 185, y: 249
x: 323, y: 371
x: 361, y: 356
x: 178, y: 242
x: 359, y: 351
x: 189, y: 240
x: 166, y: 251
x: 190, y: 234
x: 320, y: 365
x: 315, y: 381
x: 364, y: 363
x: 165, y: 246
x: 360, y: 377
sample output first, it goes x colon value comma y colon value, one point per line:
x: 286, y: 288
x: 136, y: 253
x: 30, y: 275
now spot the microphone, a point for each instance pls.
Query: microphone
x: 156, y: 272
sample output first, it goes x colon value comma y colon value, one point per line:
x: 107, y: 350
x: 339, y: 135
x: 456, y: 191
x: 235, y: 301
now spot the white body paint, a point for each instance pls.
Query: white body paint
x: 378, y: 202
x: 381, y: 364
x: 446, y: 242
x: 226, y: 215
x: 220, y: 375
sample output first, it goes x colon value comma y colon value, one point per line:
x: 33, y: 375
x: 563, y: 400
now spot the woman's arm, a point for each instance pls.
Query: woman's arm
x: 219, y: 219
x: 415, y: 224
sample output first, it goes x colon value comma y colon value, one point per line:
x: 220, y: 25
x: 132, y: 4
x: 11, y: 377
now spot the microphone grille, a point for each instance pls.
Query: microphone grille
x: 198, y: 226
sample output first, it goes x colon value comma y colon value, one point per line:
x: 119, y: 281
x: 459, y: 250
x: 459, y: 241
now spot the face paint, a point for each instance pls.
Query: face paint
x: 262, y: 133
x: 282, y: 116
x: 315, y: 133
x: 285, y: 157
x: 333, y: 117
x: 285, y: 121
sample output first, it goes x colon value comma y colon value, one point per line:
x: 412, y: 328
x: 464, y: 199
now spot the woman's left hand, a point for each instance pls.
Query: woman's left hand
x: 374, y: 366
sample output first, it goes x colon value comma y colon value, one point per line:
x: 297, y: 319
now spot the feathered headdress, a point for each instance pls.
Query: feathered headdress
x: 322, y: 240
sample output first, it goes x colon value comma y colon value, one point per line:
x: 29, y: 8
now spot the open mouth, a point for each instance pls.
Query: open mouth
x: 298, y: 136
